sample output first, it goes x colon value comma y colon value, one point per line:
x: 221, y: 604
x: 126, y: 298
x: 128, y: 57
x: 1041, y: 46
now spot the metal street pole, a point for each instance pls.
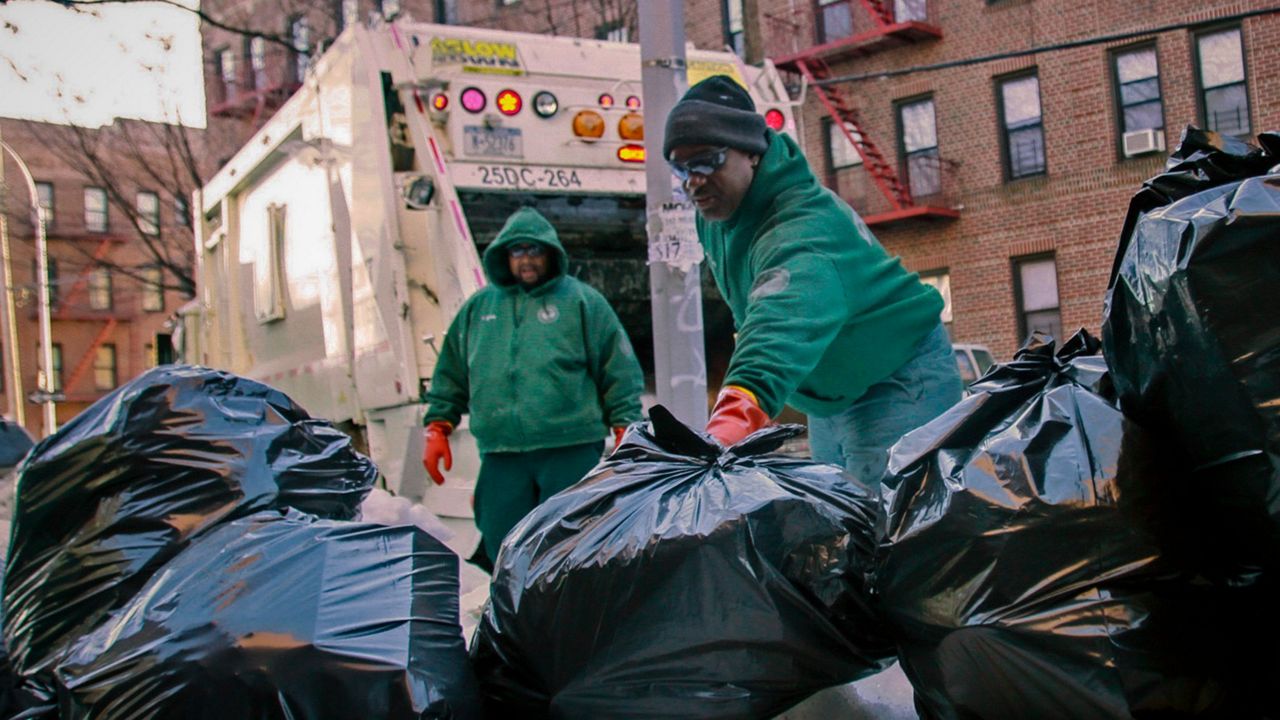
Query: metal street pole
x: 679, y: 356
x: 42, y: 282
x: 12, y: 359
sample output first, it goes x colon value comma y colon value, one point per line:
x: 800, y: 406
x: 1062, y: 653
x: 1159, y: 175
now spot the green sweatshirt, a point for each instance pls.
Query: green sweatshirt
x: 537, y: 368
x: 823, y: 312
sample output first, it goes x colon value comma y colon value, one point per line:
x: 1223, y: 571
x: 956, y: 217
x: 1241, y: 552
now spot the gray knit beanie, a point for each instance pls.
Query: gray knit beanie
x: 716, y: 111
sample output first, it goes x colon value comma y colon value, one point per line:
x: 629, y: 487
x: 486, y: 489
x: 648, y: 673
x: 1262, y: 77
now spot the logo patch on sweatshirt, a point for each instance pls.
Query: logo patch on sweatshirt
x: 770, y: 282
x: 548, y: 314
x: 490, y: 317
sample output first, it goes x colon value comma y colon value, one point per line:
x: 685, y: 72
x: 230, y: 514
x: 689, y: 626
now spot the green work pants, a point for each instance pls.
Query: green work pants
x: 512, y: 484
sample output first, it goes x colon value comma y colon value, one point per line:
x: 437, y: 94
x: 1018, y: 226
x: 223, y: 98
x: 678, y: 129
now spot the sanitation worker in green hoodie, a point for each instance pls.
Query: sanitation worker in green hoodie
x: 544, y: 367
x: 827, y: 321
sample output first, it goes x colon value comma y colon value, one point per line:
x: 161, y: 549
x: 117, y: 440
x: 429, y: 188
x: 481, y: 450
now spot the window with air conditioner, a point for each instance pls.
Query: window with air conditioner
x: 1140, y: 107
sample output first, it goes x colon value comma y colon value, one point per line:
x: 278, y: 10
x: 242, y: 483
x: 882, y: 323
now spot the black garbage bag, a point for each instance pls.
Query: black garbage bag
x: 678, y: 580
x: 1021, y: 566
x: 275, y: 617
x: 14, y: 444
x: 123, y: 487
x: 1193, y: 342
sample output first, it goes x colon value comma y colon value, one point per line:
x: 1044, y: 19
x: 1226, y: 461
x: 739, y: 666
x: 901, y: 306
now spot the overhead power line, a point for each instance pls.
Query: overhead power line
x: 1096, y: 40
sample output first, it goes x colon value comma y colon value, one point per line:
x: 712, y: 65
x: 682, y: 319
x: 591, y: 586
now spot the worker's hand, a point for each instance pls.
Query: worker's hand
x: 735, y: 416
x: 437, y: 447
x: 617, y: 436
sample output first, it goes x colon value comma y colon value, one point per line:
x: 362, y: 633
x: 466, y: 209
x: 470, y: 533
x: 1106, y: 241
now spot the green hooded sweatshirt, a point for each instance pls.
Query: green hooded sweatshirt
x: 541, y: 367
x: 823, y: 312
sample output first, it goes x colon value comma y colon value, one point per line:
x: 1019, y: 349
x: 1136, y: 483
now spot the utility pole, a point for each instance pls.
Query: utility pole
x: 12, y: 361
x: 679, y: 354
x: 46, y: 392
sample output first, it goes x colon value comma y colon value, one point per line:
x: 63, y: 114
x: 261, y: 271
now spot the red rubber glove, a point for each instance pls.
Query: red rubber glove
x: 736, y: 415
x: 437, y: 447
x: 617, y: 436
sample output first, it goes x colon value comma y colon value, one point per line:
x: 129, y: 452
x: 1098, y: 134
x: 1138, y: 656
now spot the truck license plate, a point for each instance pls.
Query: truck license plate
x: 492, y: 142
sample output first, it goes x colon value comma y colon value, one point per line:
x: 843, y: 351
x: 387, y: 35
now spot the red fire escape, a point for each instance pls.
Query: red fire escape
x: 801, y: 43
x: 254, y: 93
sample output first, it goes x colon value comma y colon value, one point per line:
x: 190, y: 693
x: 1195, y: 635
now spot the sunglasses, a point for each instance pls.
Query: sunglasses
x: 703, y: 164
x: 520, y: 251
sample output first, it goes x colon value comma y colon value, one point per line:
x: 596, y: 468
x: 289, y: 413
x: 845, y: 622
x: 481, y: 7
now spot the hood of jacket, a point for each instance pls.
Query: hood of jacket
x: 783, y: 169
x: 524, y: 226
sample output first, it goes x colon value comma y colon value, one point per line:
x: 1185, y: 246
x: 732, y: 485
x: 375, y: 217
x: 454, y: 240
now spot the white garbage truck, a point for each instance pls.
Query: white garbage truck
x: 335, y: 247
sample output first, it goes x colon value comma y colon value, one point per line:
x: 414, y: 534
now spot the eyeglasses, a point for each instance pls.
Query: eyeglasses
x: 703, y: 164
x: 520, y: 251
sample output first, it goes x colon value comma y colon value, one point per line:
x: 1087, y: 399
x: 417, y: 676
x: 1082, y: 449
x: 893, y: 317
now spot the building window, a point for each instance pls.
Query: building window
x: 258, y: 63
x: 55, y: 382
x: 391, y: 8
x: 51, y: 278
x: 1137, y: 77
x: 100, y: 289
x: 734, y: 30
x: 841, y: 153
x: 182, y: 211
x: 300, y: 39
x: 613, y: 31
x: 835, y: 20
x: 1023, y: 130
x: 44, y: 194
x: 152, y: 289
x: 95, y: 209
x: 918, y: 131
x: 148, y: 206
x: 104, y: 367
x: 1035, y: 283
x: 348, y: 13
x: 940, y: 280
x: 447, y: 12
x: 1224, y: 96
x: 226, y: 62
x: 268, y: 271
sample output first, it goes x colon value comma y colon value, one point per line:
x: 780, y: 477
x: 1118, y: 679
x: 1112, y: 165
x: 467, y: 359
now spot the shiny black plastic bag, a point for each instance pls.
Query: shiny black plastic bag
x: 276, y: 617
x: 679, y: 580
x: 1193, y: 341
x: 1022, y: 566
x: 124, y: 486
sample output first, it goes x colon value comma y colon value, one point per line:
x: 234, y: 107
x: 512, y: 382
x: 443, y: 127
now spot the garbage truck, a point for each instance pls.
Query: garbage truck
x: 336, y: 245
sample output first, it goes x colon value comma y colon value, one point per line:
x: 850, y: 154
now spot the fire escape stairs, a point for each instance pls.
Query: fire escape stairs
x: 847, y: 120
x: 886, y: 32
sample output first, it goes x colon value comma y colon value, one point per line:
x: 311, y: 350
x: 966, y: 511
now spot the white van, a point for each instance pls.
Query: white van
x: 972, y: 360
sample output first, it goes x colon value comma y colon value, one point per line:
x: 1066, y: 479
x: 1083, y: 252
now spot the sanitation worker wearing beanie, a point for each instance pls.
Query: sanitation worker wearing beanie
x: 827, y: 320
x: 545, y: 369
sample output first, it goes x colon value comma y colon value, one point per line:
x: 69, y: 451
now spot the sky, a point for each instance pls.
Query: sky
x: 89, y: 68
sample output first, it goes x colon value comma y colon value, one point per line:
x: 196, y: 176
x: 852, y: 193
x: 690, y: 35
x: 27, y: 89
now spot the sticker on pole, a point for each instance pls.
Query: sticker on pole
x: 673, y: 237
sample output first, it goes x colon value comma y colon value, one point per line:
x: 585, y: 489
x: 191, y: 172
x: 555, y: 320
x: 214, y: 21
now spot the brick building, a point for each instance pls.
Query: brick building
x: 1005, y: 181
x: 109, y: 194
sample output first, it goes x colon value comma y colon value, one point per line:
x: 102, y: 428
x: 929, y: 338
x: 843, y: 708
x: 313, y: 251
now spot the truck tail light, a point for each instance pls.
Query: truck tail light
x: 473, y: 100
x: 545, y: 104
x: 606, y: 100
x: 775, y: 119
x: 631, y: 126
x: 508, y: 102
x: 631, y: 153
x: 439, y: 102
x: 633, y: 102
x: 588, y: 124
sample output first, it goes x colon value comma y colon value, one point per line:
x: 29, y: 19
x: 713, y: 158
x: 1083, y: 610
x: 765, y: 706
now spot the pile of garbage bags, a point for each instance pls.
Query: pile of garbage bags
x: 184, y: 548
x: 680, y: 580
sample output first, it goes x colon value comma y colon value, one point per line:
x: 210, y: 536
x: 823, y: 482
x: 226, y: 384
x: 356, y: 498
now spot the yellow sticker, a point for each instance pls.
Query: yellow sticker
x: 699, y: 70
x: 478, y: 56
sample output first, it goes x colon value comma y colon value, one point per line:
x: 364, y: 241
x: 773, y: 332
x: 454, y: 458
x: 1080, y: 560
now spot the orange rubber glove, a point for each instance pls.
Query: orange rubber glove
x: 617, y: 436
x: 736, y: 415
x: 437, y: 447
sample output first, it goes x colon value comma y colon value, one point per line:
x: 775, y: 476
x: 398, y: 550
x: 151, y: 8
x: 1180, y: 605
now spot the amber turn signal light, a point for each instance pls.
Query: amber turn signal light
x: 588, y: 124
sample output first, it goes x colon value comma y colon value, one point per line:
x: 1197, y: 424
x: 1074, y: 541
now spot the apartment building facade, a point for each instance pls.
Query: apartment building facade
x: 995, y: 145
x: 109, y: 194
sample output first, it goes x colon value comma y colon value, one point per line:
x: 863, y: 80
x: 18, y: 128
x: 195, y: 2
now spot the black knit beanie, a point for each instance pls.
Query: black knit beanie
x: 716, y: 111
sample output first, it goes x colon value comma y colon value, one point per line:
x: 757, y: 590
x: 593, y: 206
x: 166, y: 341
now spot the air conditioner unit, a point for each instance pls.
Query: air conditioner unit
x: 1140, y: 142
